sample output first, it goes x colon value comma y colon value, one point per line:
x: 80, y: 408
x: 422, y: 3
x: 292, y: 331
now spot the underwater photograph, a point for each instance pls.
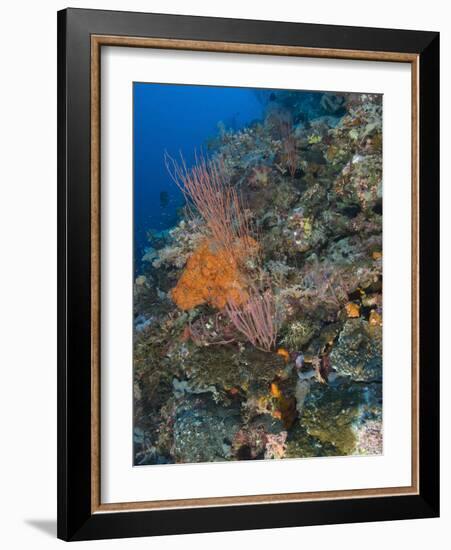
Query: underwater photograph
x: 257, y: 294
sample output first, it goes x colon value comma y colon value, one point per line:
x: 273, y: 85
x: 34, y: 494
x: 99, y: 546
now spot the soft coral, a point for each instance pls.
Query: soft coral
x: 211, y: 276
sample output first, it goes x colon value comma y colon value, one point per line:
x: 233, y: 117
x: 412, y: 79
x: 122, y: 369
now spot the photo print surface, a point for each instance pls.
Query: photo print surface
x: 257, y: 299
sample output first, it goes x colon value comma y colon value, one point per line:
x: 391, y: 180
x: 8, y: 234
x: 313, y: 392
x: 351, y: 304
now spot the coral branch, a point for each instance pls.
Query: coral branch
x: 205, y: 185
x: 256, y: 318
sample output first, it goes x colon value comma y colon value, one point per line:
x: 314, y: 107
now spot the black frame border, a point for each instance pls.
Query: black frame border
x: 75, y: 520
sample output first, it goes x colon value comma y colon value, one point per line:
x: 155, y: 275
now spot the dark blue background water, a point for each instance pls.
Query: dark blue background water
x: 177, y: 118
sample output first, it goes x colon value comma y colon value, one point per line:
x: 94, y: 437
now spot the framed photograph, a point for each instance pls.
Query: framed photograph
x: 248, y: 274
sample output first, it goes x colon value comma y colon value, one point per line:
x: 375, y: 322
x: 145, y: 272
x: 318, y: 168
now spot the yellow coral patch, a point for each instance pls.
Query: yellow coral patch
x: 375, y: 319
x: 283, y: 353
x: 352, y: 310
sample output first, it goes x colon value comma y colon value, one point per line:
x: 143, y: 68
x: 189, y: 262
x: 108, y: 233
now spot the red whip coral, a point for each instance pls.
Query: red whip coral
x: 255, y: 318
x: 206, y: 187
x: 215, y: 273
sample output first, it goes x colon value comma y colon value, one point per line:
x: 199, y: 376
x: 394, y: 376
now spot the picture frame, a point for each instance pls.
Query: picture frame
x: 81, y: 36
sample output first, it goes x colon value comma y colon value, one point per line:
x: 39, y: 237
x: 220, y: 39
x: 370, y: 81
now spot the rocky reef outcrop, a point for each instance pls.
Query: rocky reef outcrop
x: 310, y: 177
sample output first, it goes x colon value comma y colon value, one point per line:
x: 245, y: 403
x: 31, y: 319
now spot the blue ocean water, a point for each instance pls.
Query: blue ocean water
x: 177, y: 119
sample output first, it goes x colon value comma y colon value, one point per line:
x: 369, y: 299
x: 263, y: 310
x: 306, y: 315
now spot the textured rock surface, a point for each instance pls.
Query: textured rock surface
x: 333, y: 414
x: 358, y: 353
x: 203, y: 432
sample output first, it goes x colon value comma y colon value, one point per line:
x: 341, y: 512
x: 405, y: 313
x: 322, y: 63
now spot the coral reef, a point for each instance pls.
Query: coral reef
x: 258, y: 317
